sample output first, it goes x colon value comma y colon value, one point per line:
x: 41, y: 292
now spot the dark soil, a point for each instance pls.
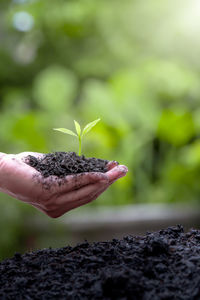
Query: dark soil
x: 65, y: 163
x: 160, y: 265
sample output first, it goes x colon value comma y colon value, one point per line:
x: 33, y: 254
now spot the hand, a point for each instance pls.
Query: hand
x: 52, y: 195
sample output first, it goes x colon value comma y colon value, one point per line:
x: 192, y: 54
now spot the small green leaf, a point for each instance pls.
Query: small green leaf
x: 64, y: 130
x: 89, y: 126
x: 78, y: 128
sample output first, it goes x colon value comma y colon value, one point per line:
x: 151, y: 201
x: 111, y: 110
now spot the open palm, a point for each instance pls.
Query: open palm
x: 52, y: 195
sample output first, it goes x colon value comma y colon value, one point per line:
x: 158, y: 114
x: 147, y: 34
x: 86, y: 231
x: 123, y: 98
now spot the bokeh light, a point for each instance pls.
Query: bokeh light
x: 23, y: 21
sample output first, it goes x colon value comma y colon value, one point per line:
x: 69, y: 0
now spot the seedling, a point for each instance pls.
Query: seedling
x: 79, y: 133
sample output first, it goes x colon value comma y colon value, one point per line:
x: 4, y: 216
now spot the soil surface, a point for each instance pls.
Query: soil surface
x: 160, y: 265
x: 65, y: 163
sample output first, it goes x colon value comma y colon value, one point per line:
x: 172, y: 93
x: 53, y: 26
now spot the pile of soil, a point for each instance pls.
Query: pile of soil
x: 61, y: 164
x: 160, y: 265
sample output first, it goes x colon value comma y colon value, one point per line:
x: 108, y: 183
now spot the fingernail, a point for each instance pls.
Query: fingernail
x: 113, y: 162
x: 124, y: 169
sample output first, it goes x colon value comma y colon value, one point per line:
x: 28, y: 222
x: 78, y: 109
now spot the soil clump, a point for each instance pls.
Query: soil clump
x: 160, y: 265
x: 62, y: 164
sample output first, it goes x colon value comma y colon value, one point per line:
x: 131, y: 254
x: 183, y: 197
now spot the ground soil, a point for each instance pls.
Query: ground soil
x: 161, y: 265
x: 65, y: 163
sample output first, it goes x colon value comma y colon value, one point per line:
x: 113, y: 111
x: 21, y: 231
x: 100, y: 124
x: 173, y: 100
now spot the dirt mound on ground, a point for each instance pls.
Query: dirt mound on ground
x: 160, y: 265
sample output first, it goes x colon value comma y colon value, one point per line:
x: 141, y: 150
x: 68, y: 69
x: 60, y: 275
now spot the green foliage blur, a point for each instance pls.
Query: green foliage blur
x: 133, y: 63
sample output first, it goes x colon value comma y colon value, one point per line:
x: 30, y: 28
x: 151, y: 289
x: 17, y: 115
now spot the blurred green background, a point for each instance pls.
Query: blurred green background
x: 134, y: 64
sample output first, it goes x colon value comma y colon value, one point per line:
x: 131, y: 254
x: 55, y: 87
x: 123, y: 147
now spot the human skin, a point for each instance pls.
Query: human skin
x: 52, y: 195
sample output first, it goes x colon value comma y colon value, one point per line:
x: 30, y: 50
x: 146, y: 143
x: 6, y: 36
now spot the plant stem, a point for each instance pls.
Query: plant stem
x: 79, y: 152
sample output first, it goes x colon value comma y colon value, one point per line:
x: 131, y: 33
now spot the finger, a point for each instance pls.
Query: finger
x: 39, y: 207
x: 75, y: 182
x: 98, y: 190
x: 117, y: 172
x: 84, y: 192
x: 112, y: 164
x: 90, y: 198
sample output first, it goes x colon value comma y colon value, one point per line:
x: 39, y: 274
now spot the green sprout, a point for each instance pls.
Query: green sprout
x: 79, y: 133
